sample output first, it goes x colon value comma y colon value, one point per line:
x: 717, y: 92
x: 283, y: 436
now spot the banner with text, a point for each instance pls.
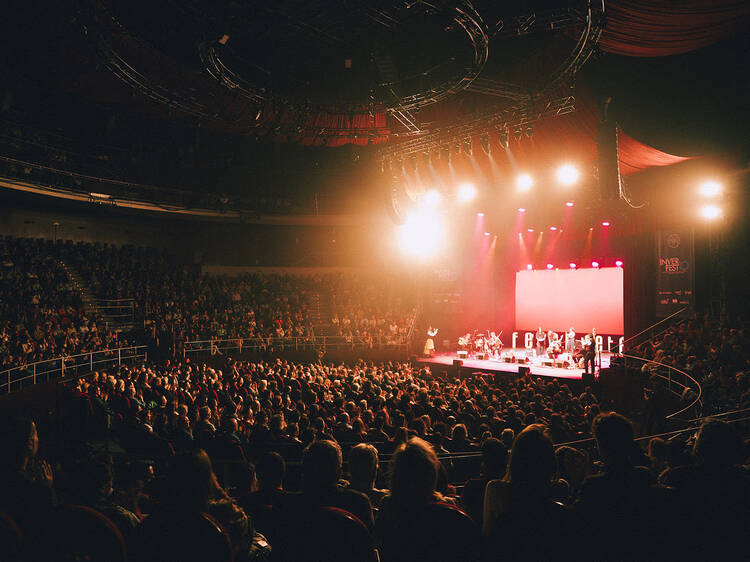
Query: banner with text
x: 674, y: 279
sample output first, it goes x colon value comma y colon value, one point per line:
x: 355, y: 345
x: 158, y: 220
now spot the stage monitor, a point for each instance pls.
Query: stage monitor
x: 558, y: 299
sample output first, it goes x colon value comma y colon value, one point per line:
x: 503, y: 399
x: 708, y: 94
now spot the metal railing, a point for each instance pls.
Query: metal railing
x: 67, y: 366
x: 650, y: 329
x: 287, y: 344
x: 677, y: 382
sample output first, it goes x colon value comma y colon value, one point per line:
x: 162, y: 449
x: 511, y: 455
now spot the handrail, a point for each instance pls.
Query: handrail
x: 698, y: 387
x: 654, y: 325
x: 64, y: 363
x: 296, y: 343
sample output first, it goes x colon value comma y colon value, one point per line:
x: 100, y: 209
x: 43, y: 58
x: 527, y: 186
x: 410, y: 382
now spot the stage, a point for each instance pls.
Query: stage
x: 442, y: 360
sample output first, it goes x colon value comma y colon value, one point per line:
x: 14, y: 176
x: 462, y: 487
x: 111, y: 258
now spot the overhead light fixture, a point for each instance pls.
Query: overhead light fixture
x: 524, y: 182
x: 710, y: 188
x: 567, y: 174
x: 466, y: 192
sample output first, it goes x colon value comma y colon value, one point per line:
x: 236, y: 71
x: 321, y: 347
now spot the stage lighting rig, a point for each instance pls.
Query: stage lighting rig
x: 524, y: 182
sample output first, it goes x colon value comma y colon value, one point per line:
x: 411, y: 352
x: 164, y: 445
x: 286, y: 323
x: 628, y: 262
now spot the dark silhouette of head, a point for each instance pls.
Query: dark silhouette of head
x: 494, y: 458
x: 270, y: 469
x: 614, y: 437
x: 18, y: 443
x: 532, y: 460
x: 718, y: 444
x: 414, y: 473
x: 191, y: 481
x: 321, y: 465
x: 363, y: 465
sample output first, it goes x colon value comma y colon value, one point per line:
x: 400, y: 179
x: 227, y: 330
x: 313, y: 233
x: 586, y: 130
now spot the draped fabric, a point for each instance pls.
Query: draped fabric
x: 636, y: 156
x: 649, y: 28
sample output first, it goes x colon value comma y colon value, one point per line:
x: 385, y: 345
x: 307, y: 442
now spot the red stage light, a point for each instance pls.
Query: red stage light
x: 550, y: 266
x: 569, y: 204
x: 594, y: 264
x: 618, y: 263
x: 529, y: 267
x: 605, y: 223
x: 572, y: 265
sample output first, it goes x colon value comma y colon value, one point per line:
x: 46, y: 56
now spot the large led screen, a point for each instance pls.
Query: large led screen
x: 560, y: 298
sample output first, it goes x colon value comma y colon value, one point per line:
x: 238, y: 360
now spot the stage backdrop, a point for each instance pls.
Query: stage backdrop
x: 558, y: 299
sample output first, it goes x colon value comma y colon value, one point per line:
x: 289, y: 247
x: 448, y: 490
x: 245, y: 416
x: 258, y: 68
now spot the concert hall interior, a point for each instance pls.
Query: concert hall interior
x: 381, y: 281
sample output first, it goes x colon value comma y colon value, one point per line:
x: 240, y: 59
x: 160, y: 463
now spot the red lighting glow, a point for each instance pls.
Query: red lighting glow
x: 594, y: 264
x: 550, y: 266
x: 605, y: 223
x: 618, y: 263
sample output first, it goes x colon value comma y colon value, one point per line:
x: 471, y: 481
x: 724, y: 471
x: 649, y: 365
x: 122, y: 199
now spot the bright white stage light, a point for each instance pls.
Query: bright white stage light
x: 529, y: 266
x: 572, y: 265
x: 567, y: 174
x: 521, y: 210
x: 524, y: 182
x: 431, y: 198
x: 618, y: 263
x: 569, y: 204
x: 710, y: 212
x: 466, y: 193
x: 595, y: 264
x: 422, y: 235
x: 553, y: 228
x: 710, y: 189
x: 550, y: 266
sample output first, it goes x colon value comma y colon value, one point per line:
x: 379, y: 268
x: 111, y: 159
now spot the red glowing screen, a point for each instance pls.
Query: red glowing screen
x: 558, y: 299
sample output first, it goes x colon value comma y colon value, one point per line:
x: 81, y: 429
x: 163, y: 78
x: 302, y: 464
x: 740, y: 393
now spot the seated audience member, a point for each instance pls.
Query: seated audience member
x: 185, y: 525
x: 714, y: 493
x: 494, y: 464
x: 620, y: 502
x: 363, y: 471
x: 26, y: 494
x: 521, y: 520
x: 92, y: 486
x: 265, y: 501
x: 414, y: 523
x: 322, y: 465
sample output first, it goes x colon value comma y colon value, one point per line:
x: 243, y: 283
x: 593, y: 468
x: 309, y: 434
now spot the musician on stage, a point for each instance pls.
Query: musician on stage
x: 589, y: 353
x: 570, y: 341
x: 541, y: 338
x: 429, y: 345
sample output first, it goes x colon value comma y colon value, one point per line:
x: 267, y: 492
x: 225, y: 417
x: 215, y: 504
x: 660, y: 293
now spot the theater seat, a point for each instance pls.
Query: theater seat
x: 83, y: 533
x: 438, y: 531
x: 328, y: 534
x: 169, y: 536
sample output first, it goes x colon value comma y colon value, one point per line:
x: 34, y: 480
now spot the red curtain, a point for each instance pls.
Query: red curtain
x: 647, y: 28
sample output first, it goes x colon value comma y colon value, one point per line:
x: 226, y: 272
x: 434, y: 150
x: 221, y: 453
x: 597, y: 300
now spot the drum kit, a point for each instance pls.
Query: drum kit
x: 487, y: 343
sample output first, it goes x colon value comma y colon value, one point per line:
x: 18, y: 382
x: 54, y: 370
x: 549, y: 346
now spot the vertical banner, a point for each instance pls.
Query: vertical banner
x: 674, y: 280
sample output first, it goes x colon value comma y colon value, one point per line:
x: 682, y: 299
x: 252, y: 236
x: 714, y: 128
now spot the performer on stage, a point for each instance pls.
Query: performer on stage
x: 570, y: 341
x: 429, y: 345
x: 589, y: 353
x: 541, y: 337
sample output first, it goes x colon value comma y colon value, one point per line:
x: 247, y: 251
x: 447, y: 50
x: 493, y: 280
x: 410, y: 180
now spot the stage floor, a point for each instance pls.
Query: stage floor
x: 442, y: 360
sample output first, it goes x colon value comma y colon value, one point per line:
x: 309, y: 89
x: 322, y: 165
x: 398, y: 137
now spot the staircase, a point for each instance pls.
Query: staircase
x: 321, y: 316
x: 118, y: 314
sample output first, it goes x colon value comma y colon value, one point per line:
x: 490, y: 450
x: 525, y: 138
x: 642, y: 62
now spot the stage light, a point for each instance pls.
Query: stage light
x: 618, y: 263
x: 486, y: 233
x: 569, y: 204
x: 531, y: 230
x: 521, y: 210
x: 553, y: 228
x: 431, y: 198
x: 467, y: 192
x: 710, y: 212
x: 550, y: 266
x: 710, y: 189
x: 594, y: 264
x: 572, y: 265
x: 567, y: 174
x: 422, y: 234
x: 529, y: 267
x: 524, y: 182
x: 480, y: 214
x: 605, y: 223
